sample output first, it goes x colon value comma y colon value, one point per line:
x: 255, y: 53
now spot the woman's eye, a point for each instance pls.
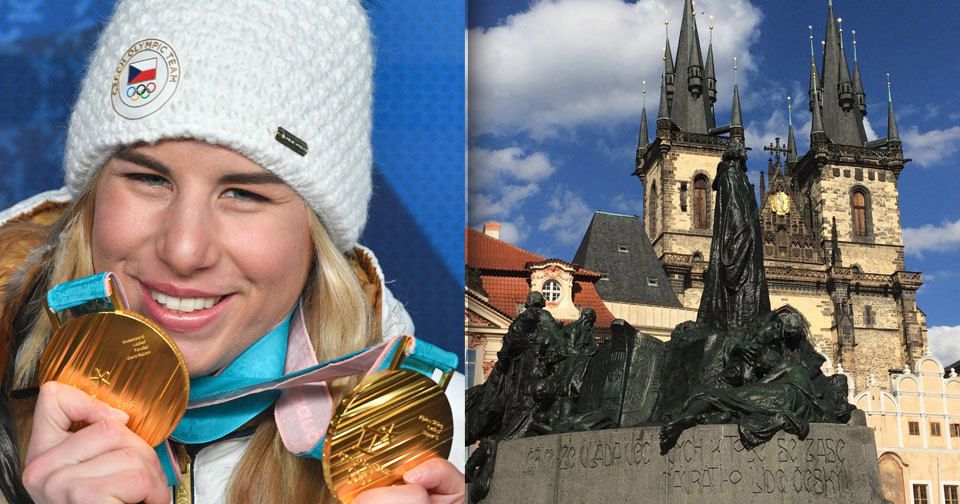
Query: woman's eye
x: 147, y: 178
x: 240, y: 194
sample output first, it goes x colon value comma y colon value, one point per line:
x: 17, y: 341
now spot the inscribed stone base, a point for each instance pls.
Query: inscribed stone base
x: 835, y: 464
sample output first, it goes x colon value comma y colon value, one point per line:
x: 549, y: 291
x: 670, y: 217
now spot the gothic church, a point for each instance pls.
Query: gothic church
x: 833, y: 245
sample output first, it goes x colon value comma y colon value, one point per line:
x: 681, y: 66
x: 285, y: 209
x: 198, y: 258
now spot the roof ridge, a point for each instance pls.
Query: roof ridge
x: 616, y: 214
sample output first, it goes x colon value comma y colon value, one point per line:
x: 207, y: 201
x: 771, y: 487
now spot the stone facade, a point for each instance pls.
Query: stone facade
x: 857, y: 300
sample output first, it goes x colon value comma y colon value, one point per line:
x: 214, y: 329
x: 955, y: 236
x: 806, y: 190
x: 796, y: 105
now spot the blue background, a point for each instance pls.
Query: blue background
x: 417, y: 215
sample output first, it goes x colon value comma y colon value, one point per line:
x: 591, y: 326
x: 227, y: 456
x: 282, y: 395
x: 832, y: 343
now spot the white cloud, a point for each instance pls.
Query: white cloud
x: 500, y: 204
x: 568, y: 218
x: 564, y: 63
x: 931, y: 147
x: 501, y: 181
x: 624, y: 204
x: 489, y: 167
x: 944, y: 343
x: 928, y: 237
x: 514, y: 232
x: 868, y: 128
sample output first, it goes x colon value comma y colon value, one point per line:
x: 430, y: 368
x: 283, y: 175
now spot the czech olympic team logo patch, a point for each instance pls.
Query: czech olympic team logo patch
x: 146, y: 77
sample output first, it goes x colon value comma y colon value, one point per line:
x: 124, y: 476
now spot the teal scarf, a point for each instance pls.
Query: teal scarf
x: 262, y: 362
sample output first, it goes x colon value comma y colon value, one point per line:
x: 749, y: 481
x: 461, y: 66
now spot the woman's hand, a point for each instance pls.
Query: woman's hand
x: 435, y: 481
x: 104, y: 462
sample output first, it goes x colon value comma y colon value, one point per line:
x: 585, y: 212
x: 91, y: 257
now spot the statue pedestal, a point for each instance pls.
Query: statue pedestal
x: 835, y: 464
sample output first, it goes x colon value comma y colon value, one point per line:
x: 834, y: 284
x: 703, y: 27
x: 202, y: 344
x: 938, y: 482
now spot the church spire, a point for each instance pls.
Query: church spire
x: 668, y: 70
x: 710, y: 79
x: 858, y: 93
x: 892, y: 135
x: 791, y: 141
x: 690, y: 108
x: 842, y: 121
x: 736, y: 120
x: 816, y: 125
x: 663, y: 115
x: 644, y: 139
x: 845, y: 85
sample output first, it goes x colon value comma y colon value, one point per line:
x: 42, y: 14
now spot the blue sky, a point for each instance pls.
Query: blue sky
x: 555, y: 97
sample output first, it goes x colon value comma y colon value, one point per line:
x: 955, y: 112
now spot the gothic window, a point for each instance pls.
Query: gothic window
x: 551, y: 290
x: 652, y: 210
x: 868, y: 319
x: 700, y: 192
x: 860, y: 212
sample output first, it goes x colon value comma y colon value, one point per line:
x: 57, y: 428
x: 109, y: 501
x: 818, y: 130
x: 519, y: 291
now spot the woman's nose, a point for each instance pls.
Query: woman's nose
x: 187, y: 242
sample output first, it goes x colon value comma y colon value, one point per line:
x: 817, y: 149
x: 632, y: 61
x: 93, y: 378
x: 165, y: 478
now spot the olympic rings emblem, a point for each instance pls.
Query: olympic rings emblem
x: 141, y: 91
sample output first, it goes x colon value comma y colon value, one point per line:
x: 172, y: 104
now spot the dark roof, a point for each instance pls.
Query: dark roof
x: 626, y: 272
x: 689, y: 112
x: 843, y: 127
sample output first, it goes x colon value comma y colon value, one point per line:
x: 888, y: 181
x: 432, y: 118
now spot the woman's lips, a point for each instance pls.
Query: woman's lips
x: 181, y: 322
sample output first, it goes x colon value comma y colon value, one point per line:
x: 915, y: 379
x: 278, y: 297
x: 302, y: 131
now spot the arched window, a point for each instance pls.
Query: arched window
x: 697, y: 257
x: 652, y: 210
x: 551, y: 290
x: 700, y: 192
x: 860, y: 212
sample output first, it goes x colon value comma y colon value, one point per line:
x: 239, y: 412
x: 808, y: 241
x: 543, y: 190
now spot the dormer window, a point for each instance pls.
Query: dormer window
x: 551, y: 290
x: 651, y: 282
x: 622, y: 248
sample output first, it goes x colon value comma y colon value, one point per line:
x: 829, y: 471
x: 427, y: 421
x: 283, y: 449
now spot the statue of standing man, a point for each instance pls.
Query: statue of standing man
x: 735, y: 289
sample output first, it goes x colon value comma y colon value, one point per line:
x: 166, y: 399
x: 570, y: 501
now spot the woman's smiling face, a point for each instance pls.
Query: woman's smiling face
x: 206, y: 243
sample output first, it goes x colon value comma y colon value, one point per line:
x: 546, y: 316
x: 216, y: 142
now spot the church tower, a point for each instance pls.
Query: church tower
x: 678, y: 166
x: 845, y: 197
x: 830, y: 218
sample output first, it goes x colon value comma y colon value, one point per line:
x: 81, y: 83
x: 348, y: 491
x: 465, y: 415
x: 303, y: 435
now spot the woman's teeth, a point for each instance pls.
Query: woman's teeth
x: 185, y: 305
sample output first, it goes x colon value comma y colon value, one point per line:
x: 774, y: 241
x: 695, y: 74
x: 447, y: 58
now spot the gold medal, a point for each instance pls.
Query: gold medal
x: 391, y: 422
x: 125, y: 360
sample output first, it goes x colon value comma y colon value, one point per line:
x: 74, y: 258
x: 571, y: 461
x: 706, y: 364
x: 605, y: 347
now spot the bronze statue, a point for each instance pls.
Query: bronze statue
x: 735, y: 289
x: 737, y: 363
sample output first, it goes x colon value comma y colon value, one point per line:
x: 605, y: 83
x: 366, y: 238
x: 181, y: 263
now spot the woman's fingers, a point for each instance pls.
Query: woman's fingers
x: 399, y: 494
x: 91, y: 444
x: 102, y: 462
x: 117, y: 476
x: 130, y: 485
x: 440, y: 478
x: 58, y: 407
x: 435, y: 481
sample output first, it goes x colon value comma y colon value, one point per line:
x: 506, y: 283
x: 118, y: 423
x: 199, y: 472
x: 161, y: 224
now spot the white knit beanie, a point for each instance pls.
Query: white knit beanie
x: 286, y: 83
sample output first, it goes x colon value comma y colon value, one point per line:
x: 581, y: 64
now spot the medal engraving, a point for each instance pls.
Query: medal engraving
x: 391, y: 422
x: 126, y: 361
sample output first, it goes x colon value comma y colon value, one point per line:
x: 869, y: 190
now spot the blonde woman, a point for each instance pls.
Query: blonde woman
x: 218, y: 162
